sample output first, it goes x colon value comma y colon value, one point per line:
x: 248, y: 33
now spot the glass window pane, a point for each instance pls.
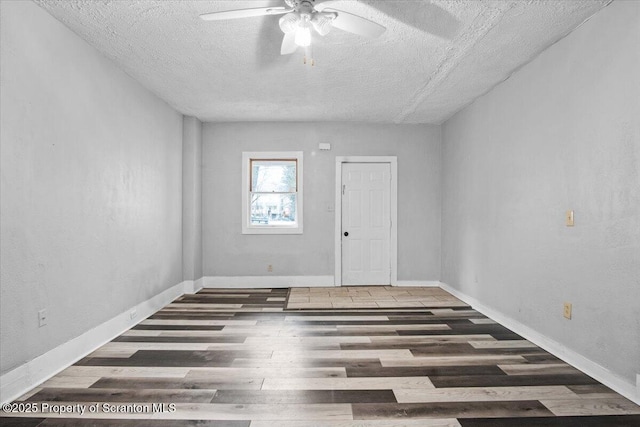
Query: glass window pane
x: 273, y: 176
x: 273, y: 209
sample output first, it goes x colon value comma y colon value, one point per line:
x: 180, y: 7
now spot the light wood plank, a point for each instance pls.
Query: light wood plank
x: 124, y: 371
x: 336, y: 318
x: 288, y: 341
x: 189, y: 322
x: 452, y: 360
x: 360, y: 383
x: 483, y: 394
x: 483, y: 321
x: 342, y: 354
x: 283, y: 371
x: 64, y: 381
x: 503, y: 344
x: 538, y: 369
x: 585, y: 406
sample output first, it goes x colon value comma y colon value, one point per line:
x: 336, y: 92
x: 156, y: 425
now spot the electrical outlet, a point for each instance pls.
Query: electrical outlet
x: 42, y: 318
x: 567, y: 310
x: 133, y: 313
x: 270, y: 268
x: 569, y: 218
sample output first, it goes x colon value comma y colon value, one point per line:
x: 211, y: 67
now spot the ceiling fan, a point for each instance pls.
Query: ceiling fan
x: 300, y: 16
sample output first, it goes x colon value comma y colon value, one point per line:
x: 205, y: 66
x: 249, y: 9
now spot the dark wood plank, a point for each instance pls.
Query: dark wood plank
x: 509, y: 380
x: 421, y: 371
x: 212, y: 339
x: 581, y: 421
x: 176, y: 358
x: 394, y: 411
x: 122, y: 395
x: 84, y: 422
x: 180, y: 327
x: 176, y: 384
x: 20, y: 421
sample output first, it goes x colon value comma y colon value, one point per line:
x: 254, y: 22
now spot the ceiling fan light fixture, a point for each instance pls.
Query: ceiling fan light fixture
x: 303, y: 36
x: 303, y: 32
x: 322, y: 23
x: 289, y: 22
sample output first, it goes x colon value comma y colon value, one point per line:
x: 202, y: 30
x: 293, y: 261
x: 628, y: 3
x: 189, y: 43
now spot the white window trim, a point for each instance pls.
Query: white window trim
x: 247, y: 228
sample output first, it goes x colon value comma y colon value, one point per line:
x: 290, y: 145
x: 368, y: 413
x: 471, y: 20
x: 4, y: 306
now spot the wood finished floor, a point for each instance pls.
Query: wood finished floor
x: 238, y: 357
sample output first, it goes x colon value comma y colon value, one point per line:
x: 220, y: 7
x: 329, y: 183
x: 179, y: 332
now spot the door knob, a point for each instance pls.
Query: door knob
x: 346, y: 233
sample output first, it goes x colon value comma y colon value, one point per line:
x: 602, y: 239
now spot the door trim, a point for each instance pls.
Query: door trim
x: 393, y: 202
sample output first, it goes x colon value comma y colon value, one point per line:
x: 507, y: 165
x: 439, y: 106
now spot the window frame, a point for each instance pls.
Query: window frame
x: 247, y: 158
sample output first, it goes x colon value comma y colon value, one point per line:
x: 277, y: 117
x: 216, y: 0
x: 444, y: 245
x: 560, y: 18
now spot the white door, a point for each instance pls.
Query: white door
x: 366, y: 223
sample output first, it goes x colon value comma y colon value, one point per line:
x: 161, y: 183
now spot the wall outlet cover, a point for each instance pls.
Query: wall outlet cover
x: 567, y: 310
x: 569, y: 219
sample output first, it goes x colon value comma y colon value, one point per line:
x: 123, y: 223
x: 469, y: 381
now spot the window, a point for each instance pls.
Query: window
x: 272, y: 192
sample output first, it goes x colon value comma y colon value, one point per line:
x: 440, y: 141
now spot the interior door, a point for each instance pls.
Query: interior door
x: 366, y: 223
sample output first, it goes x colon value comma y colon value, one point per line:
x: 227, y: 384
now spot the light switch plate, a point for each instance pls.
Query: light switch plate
x: 42, y: 318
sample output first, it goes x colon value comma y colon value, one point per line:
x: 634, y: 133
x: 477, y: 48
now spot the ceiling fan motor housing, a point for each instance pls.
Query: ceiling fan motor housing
x: 303, y: 14
x: 298, y: 4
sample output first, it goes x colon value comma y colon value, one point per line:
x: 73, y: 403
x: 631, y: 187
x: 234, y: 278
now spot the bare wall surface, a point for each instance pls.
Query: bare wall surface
x: 227, y: 252
x: 561, y: 134
x: 191, y: 198
x: 91, y: 187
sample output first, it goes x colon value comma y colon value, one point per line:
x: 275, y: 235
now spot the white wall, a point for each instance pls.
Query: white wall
x: 91, y: 187
x: 227, y: 252
x: 562, y: 133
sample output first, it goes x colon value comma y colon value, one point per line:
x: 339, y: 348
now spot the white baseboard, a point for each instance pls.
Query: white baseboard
x: 18, y: 381
x: 189, y: 286
x: 267, y: 281
x: 198, y: 284
x: 422, y: 283
x: 573, y: 358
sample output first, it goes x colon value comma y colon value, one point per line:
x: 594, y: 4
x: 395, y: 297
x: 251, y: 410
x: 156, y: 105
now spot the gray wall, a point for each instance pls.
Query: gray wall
x: 227, y: 252
x: 191, y: 198
x: 562, y: 133
x: 91, y: 187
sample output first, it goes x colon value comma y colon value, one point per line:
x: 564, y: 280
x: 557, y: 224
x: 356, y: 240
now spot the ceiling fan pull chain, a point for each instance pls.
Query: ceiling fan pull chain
x: 308, y: 51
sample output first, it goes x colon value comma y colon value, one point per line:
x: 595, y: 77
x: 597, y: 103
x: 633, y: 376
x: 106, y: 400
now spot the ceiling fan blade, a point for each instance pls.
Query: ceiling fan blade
x: 356, y: 24
x: 288, y: 44
x: 322, y: 5
x: 244, y: 13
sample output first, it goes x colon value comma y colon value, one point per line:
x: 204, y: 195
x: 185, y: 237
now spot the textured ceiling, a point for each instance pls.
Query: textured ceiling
x: 435, y: 57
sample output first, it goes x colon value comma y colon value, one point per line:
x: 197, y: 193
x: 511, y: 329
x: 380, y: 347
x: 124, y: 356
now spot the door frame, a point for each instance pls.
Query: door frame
x: 393, y: 204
